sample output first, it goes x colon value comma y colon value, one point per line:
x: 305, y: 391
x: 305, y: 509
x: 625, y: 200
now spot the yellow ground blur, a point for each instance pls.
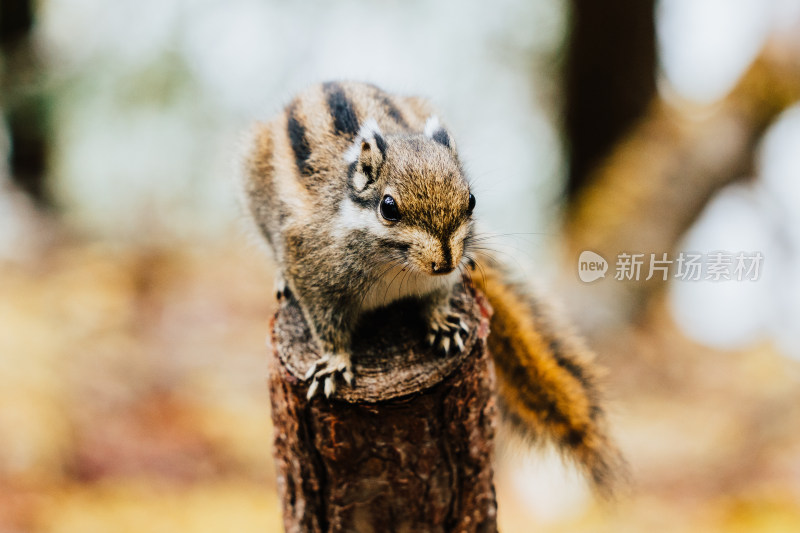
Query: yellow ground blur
x: 133, y: 398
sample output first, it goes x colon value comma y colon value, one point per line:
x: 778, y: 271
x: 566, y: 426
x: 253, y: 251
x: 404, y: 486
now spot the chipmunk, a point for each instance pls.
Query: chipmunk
x: 353, y: 187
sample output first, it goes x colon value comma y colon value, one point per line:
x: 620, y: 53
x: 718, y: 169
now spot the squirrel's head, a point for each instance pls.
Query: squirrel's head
x: 410, y: 193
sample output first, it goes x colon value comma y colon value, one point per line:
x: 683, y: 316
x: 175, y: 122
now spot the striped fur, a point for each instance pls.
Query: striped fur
x: 547, y: 381
x: 316, y: 177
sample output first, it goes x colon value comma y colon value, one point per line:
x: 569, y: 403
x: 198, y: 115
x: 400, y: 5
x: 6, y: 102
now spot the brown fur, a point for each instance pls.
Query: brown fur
x: 548, y: 384
x: 316, y: 177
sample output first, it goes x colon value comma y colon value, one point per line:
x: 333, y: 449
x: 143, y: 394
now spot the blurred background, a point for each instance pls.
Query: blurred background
x: 134, y: 308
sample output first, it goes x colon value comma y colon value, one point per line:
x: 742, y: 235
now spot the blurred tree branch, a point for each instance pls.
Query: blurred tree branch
x: 659, y: 178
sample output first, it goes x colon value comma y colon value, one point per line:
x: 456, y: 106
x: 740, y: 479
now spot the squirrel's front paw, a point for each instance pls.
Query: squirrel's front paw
x: 325, y: 369
x: 445, y: 328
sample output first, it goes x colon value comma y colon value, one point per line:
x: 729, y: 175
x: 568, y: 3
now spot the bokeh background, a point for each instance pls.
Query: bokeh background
x: 134, y: 307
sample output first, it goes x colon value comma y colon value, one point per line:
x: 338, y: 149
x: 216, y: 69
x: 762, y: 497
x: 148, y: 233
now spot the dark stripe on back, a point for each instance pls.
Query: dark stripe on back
x: 298, y: 140
x: 390, y: 107
x: 344, y: 115
x: 393, y: 112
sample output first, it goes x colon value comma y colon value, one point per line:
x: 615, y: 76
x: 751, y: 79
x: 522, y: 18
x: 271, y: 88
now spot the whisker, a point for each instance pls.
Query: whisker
x: 485, y: 251
x: 393, y: 262
x: 480, y: 267
x: 464, y: 275
x: 406, y: 273
x: 389, y: 286
x: 489, y: 235
x: 493, y: 240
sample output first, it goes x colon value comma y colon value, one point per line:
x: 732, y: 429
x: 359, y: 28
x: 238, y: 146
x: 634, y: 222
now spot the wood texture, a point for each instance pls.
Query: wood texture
x: 408, y: 448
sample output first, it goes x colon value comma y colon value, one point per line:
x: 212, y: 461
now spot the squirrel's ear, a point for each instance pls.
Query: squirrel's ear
x: 366, y: 155
x: 435, y: 131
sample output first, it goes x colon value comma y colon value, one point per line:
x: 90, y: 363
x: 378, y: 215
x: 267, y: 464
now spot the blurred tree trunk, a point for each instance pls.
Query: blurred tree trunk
x: 610, y: 79
x: 649, y: 191
x: 24, y: 103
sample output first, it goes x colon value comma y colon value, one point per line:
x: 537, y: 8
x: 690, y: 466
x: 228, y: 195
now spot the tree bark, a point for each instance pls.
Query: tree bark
x: 408, y: 447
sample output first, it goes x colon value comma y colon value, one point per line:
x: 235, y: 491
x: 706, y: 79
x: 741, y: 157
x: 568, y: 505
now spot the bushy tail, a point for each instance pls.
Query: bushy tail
x: 547, y: 382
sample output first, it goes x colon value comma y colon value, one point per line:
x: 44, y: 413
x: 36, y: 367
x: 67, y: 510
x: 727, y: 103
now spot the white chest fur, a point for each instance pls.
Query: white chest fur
x: 399, y: 283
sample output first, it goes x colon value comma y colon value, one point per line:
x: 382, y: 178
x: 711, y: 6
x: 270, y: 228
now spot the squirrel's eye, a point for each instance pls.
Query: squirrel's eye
x: 389, y: 209
x: 471, y: 205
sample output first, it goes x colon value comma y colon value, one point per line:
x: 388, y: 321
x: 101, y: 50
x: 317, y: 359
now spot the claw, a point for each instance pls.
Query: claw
x: 447, y: 330
x: 312, y: 370
x: 326, y: 369
x: 312, y: 390
x: 458, y: 341
x: 446, y: 345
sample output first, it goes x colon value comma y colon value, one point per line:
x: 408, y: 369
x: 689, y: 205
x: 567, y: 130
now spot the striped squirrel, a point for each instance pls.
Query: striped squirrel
x: 352, y: 186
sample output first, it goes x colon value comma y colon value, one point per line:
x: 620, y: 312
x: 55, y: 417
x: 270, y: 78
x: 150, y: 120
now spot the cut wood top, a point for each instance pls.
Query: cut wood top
x: 391, y: 357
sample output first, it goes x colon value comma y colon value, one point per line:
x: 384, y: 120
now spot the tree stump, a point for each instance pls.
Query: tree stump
x: 407, y: 448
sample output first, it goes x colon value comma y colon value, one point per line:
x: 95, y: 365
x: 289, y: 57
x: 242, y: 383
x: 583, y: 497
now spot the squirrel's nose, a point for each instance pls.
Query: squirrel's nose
x: 440, y: 268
